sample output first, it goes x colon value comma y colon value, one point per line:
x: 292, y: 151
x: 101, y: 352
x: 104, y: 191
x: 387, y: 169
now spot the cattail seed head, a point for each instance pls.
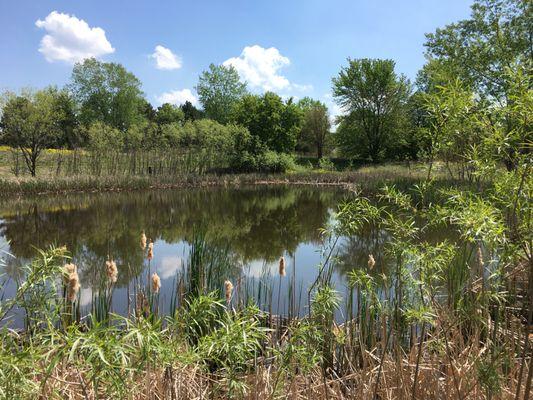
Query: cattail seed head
x: 67, y: 270
x: 150, y: 250
x: 143, y: 241
x: 111, y: 271
x: 371, y: 261
x: 156, y: 283
x: 72, y: 281
x: 282, y: 266
x: 228, y: 288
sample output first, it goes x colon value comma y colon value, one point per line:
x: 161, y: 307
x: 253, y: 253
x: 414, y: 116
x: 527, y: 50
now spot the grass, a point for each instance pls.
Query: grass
x: 445, y: 323
x: 81, y: 179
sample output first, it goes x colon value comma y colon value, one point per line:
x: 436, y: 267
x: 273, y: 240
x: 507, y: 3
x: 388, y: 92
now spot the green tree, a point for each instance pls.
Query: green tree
x: 498, y: 35
x: 274, y: 122
x: 32, y: 123
x: 374, y: 97
x: 449, y: 130
x: 106, y: 92
x: 190, y: 112
x: 146, y: 110
x: 219, y: 89
x: 316, y: 126
x: 168, y: 114
x: 482, y: 52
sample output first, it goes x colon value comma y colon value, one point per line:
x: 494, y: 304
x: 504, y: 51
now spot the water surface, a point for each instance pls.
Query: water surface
x: 256, y: 225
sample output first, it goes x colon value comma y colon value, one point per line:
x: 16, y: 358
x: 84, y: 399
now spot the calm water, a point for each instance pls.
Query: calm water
x: 257, y: 225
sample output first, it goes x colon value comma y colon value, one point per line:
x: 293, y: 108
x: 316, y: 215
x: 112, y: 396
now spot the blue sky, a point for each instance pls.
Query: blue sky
x: 292, y: 47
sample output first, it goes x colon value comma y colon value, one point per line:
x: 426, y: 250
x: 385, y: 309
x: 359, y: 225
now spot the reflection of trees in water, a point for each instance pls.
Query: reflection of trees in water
x: 353, y: 251
x: 256, y: 223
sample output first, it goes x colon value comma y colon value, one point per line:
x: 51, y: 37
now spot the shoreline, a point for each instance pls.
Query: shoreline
x: 368, y: 180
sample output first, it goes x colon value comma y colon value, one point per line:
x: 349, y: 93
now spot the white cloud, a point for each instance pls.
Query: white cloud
x: 165, y: 58
x: 170, y: 266
x: 71, y: 39
x: 260, y: 67
x: 178, y: 97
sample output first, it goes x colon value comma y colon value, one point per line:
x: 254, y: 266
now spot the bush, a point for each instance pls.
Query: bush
x: 270, y: 161
x: 326, y: 164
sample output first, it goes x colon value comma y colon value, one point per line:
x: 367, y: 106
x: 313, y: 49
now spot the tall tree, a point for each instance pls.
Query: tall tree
x: 106, y: 92
x: 168, y: 113
x: 219, y: 89
x: 31, y: 123
x: 316, y: 126
x: 484, y: 52
x: 374, y: 97
x: 274, y: 122
x: 478, y: 50
x: 190, y: 112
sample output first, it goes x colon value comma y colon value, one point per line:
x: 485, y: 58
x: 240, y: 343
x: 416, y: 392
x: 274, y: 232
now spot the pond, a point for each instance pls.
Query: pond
x: 254, y: 225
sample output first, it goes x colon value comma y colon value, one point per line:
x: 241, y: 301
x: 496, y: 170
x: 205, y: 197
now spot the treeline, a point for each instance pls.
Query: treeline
x: 471, y: 101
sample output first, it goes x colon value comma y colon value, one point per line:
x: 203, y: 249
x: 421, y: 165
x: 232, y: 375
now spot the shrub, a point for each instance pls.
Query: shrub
x: 326, y: 164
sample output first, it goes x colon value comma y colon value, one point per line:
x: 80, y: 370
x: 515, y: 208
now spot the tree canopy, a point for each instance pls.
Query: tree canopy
x: 219, y: 89
x: 374, y: 98
x: 32, y: 123
x: 270, y: 119
x: 106, y: 92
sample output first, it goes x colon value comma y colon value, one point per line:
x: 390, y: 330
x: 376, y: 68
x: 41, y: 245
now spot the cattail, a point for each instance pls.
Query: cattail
x: 143, y: 241
x: 67, y: 270
x: 150, y: 250
x: 371, y: 261
x: 73, y: 285
x: 282, y: 266
x: 111, y: 271
x: 480, y: 259
x: 228, y: 287
x: 156, y: 283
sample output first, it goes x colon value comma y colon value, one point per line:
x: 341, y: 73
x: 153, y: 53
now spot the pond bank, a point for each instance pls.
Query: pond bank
x: 368, y: 179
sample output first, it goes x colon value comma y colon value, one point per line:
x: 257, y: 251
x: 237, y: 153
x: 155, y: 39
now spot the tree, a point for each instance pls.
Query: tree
x: 219, y: 89
x: 274, y: 122
x: 482, y: 52
x: 190, y: 112
x: 449, y: 130
x: 31, y: 123
x: 168, y: 114
x: 374, y: 98
x: 146, y: 110
x: 478, y: 50
x: 106, y: 92
x: 67, y: 120
x: 315, y: 126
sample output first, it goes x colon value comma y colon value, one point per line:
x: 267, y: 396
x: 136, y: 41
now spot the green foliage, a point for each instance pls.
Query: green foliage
x: 272, y: 121
x: 374, y: 98
x: 315, y: 131
x: 37, y: 290
x: 219, y: 89
x: 190, y: 112
x: 235, y: 343
x: 326, y: 164
x: 33, y: 122
x: 169, y: 114
x: 479, y: 49
x: 106, y: 93
x: 490, y: 54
